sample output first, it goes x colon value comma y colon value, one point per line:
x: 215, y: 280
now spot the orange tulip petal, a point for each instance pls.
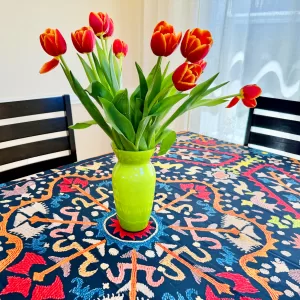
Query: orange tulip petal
x: 48, y: 66
x: 180, y: 72
x: 158, y: 44
x: 60, y: 42
x: 233, y: 102
x: 184, y: 43
x: 251, y: 91
x: 251, y: 103
x: 198, y: 54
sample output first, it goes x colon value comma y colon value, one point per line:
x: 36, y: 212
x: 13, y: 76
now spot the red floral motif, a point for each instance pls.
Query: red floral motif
x: 209, y: 294
x: 53, y: 291
x: 205, y: 143
x: 201, y: 190
x: 66, y: 184
x: 26, y: 263
x: 16, y: 284
x: 132, y: 235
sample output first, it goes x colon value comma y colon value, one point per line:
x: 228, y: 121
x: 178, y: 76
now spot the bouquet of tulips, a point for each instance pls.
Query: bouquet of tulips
x: 139, y: 121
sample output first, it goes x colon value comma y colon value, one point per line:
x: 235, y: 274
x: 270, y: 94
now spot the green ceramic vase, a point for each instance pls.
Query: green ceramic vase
x: 133, y: 181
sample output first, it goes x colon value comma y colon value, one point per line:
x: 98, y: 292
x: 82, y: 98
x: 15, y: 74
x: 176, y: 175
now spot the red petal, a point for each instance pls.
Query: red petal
x: 110, y: 30
x: 251, y: 103
x: 233, y: 102
x: 17, y: 285
x: 251, y: 91
x: 158, y: 44
x: 60, y: 43
x: 50, y: 65
x: 198, y: 54
x: 88, y: 41
x: 180, y: 72
x: 96, y: 22
x: 50, y: 46
x: 184, y: 43
x: 76, y: 43
x: 53, y: 291
x: 117, y: 46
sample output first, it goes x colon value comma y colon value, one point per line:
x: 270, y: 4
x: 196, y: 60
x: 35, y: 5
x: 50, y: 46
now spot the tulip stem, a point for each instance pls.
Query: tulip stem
x: 64, y: 63
x: 93, y: 66
x: 229, y: 96
x: 103, y: 44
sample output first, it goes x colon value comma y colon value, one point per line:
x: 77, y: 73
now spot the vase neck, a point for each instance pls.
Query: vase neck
x: 134, y: 157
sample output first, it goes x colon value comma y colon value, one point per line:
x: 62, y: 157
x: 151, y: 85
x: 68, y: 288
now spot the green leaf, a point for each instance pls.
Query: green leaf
x: 164, y: 106
x: 117, y: 140
x: 159, y: 97
x: 88, y: 70
x: 207, y: 102
x: 98, y: 90
x: 167, y: 140
x: 202, y: 87
x: 117, y: 70
x: 167, y: 81
x: 128, y: 146
x: 143, y: 82
x: 104, y: 64
x: 143, y: 145
x: 137, y: 113
x: 121, y: 102
x: 100, y: 72
x: 185, y: 106
x: 90, y: 106
x: 166, y: 70
x: 153, y: 90
x: 151, y: 75
x: 142, y: 126
x: 83, y: 125
x: 118, y: 121
x: 114, y: 80
x: 209, y: 91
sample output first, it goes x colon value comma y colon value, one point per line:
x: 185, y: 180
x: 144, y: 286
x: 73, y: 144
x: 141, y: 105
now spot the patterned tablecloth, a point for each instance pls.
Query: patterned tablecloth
x: 225, y: 225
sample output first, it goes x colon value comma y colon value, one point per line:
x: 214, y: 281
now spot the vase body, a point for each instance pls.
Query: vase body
x: 133, y: 181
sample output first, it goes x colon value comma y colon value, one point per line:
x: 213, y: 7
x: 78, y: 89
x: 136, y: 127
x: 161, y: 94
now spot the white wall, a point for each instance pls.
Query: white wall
x: 21, y: 55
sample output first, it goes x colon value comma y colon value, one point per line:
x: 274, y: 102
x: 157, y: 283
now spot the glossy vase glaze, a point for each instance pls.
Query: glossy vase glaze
x: 133, y: 181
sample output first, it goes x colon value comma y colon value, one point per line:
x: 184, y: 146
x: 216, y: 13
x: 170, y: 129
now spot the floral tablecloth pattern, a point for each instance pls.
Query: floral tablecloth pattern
x: 225, y: 225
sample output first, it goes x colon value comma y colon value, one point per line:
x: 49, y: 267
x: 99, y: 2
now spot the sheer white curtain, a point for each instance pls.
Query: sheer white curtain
x: 255, y: 41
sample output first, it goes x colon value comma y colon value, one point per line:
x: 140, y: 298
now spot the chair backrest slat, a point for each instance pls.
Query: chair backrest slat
x: 28, y: 129
x: 22, y: 108
x: 275, y: 124
x: 35, y: 135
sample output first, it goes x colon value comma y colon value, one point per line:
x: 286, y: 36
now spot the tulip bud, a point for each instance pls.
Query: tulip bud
x: 185, y: 76
x: 120, y: 48
x: 248, y: 95
x: 100, y: 23
x: 164, y: 40
x: 83, y: 40
x: 196, y: 44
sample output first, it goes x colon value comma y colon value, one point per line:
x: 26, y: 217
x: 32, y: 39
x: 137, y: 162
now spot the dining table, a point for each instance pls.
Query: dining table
x: 225, y: 225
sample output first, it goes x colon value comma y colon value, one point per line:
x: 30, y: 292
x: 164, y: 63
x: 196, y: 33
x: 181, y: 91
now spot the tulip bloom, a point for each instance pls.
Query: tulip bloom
x: 248, y: 95
x: 111, y: 29
x: 186, y: 76
x: 120, y: 48
x: 196, y: 44
x: 164, y: 40
x: 202, y: 64
x: 84, y: 40
x: 100, y: 23
x: 53, y: 44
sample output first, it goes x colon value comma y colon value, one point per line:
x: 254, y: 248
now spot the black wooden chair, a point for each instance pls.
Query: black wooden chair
x: 275, y: 124
x: 22, y: 153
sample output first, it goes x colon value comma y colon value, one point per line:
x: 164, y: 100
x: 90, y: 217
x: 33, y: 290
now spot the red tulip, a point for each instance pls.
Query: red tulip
x: 164, y: 40
x: 100, y: 23
x: 83, y: 40
x: 120, y: 48
x: 248, y: 95
x: 53, y: 44
x: 111, y: 29
x: 186, y: 75
x: 202, y: 64
x: 196, y: 44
